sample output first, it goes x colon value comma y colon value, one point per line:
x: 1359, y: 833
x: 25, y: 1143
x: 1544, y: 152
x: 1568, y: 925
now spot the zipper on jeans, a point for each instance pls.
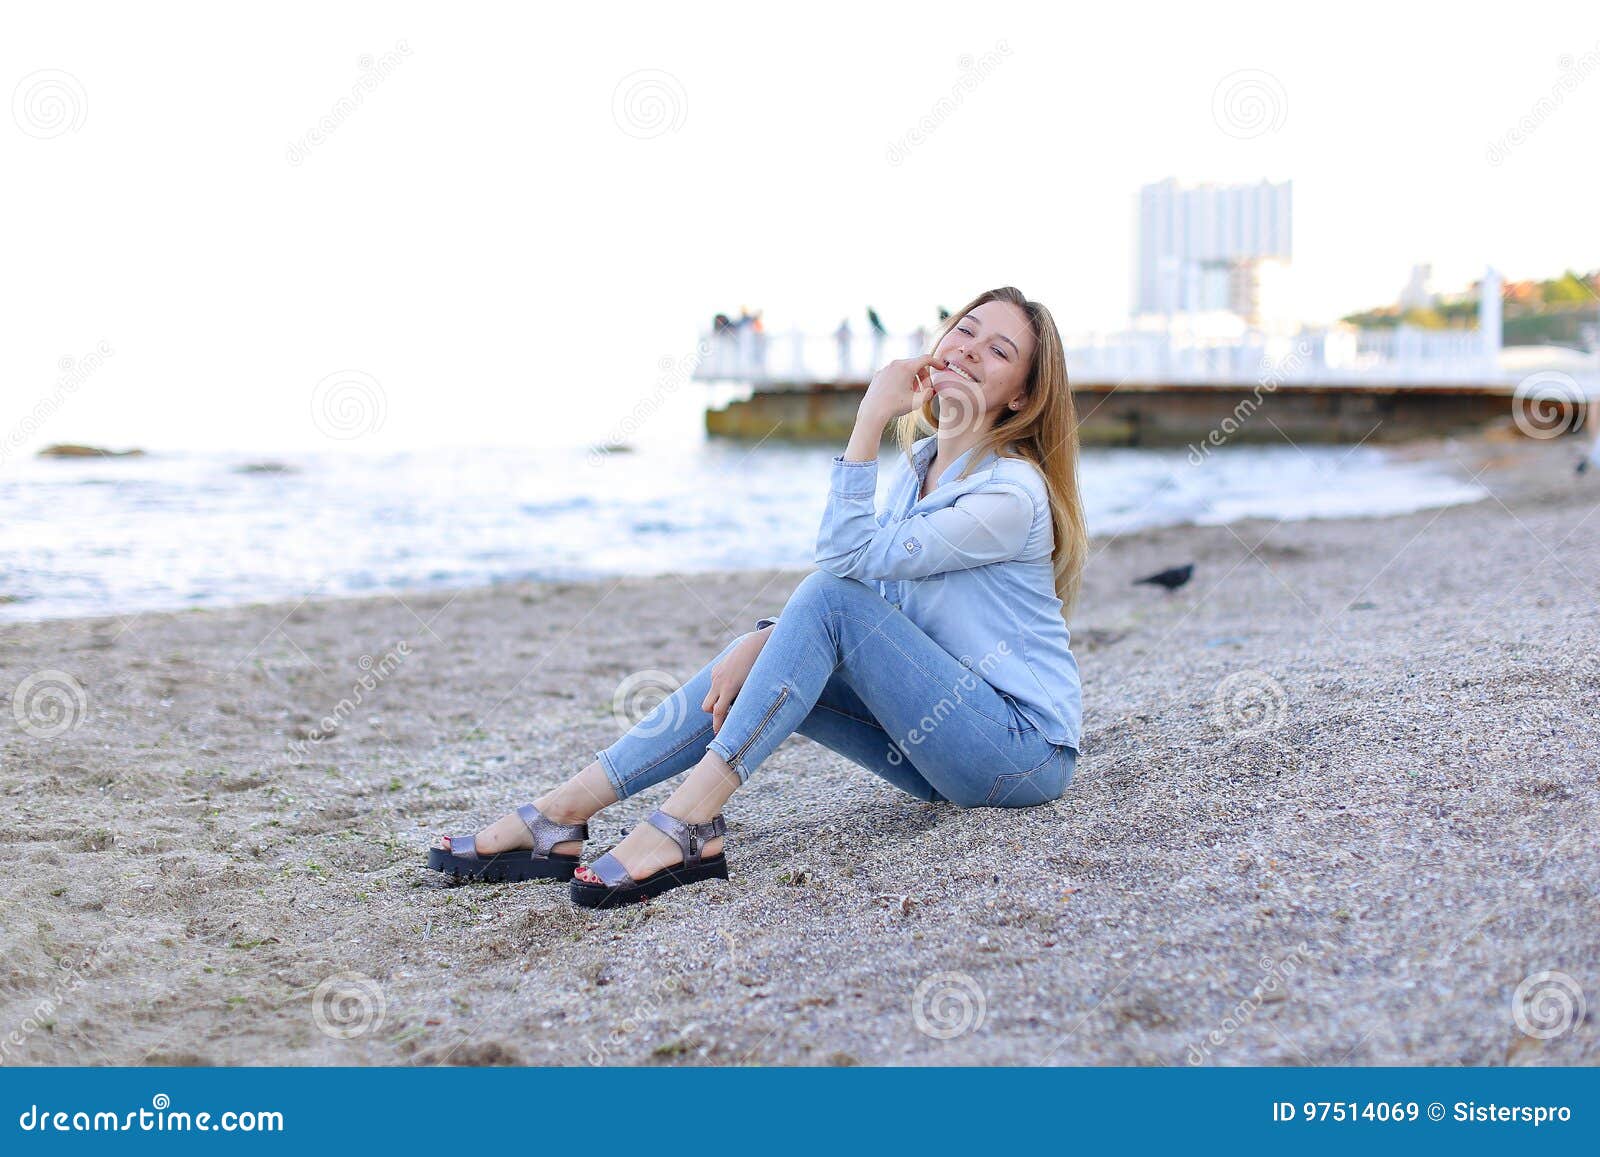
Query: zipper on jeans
x: 773, y: 710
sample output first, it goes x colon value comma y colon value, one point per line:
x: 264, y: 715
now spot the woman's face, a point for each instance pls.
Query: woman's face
x: 992, y: 348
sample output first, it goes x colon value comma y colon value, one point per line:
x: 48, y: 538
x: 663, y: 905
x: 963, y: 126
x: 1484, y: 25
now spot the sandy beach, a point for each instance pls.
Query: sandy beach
x: 1337, y: 803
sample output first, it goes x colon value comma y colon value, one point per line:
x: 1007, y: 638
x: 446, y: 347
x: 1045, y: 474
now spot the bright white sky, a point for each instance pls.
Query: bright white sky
x: 486, y: 241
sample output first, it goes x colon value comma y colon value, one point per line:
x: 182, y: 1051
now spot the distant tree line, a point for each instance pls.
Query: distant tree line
x: 1561, y: 310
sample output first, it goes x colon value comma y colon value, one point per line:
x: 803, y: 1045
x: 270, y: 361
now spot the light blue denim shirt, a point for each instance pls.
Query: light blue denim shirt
x: 969, y: 564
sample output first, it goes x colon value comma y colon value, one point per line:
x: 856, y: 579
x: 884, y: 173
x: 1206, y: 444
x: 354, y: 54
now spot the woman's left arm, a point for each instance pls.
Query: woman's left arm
x: 981, y: 527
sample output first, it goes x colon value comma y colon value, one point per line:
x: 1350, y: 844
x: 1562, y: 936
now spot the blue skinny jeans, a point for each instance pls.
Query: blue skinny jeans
x: 848, y: 670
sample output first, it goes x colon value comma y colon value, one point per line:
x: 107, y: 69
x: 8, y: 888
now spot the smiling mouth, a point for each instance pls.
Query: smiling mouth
x: 959, y: 372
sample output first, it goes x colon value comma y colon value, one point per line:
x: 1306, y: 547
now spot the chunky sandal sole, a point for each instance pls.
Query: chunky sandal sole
x: 606, y: 896
x: 504, y: 868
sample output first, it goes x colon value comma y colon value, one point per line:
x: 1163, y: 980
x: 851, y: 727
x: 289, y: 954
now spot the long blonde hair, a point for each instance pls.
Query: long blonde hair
x: 1044, y: 431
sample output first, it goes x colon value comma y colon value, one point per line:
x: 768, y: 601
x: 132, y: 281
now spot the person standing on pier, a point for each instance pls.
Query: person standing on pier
x: 842, y: 336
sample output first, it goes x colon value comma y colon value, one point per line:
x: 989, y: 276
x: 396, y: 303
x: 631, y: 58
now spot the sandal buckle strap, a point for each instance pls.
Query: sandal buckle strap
x: 546, y: 832
x: 690, y: 838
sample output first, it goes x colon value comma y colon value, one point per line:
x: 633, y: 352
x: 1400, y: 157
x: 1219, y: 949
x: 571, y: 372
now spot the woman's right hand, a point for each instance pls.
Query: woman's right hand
x: 899, y: 387
x: 728, y: 676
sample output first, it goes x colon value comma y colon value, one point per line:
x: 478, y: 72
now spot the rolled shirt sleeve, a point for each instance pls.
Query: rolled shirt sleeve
x: 981, y: 527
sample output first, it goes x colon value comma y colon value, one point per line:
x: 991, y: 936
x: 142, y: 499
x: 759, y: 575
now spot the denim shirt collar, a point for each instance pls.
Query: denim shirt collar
x: 922, y: 453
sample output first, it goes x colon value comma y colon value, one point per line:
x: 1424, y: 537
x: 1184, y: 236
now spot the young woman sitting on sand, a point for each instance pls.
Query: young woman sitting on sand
x: 930, y: 646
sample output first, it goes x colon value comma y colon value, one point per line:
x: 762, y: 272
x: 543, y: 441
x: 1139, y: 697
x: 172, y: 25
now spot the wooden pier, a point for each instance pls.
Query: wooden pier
x: 1179, y: 414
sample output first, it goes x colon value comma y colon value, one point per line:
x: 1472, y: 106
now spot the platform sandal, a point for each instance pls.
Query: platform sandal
x: 535, y: 863
x: 621, y: 888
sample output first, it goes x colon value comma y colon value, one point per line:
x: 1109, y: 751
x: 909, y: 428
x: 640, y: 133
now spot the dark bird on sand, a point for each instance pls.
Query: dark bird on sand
x: 1172, y: 578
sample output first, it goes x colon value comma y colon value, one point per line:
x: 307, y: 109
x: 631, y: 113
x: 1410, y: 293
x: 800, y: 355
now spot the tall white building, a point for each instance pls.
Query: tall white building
x: 1206, y: 248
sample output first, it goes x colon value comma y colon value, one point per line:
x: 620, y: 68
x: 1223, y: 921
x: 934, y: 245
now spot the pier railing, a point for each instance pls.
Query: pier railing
x: 1345, y: 355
